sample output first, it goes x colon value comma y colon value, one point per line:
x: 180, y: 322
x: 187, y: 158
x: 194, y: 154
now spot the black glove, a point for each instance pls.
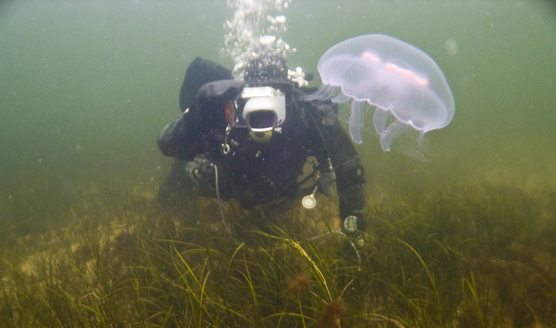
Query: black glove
x: 218, y: 92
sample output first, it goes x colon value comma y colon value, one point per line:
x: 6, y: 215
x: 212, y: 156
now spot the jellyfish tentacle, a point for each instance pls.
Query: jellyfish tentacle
x: 356, y: 121
x: 388, y: 135
x: 340, y: 98
x: 379, y: 120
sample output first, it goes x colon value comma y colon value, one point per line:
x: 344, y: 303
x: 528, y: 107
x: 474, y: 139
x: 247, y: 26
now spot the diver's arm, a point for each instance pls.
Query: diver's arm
x: 347, y: 166
x: 350, y: 185
x: 183, y: 137
x: 180, y: 137
x: 177, y: 139
x: 350, y: 178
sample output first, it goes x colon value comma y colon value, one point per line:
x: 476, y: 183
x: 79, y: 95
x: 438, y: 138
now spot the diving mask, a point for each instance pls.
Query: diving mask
x: 261, y: 109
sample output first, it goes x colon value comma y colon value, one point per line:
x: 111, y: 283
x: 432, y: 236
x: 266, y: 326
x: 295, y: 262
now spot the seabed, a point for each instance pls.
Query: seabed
x: 463, y: 256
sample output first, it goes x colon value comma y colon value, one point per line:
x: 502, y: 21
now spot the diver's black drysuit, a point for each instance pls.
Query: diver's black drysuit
x: 257, y: 172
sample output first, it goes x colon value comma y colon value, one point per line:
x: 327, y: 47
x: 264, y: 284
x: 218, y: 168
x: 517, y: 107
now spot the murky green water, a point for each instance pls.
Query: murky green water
x: 86, y: 86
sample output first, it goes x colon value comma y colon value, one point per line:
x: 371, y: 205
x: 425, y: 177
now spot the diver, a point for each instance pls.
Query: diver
x: 250, y: 140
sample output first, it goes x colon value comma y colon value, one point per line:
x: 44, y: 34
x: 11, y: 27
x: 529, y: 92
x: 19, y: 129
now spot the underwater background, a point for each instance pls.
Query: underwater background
x: 86, y: 86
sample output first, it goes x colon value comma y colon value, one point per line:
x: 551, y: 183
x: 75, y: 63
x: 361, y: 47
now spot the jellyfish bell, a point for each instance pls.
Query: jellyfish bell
x: 395, y: 78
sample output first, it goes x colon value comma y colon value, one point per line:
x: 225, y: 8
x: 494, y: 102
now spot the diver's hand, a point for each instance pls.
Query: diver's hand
x: 350, y: 228
x: 219, y: 91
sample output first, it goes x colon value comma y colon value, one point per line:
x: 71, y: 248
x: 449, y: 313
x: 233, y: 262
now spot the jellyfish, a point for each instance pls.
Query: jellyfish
x: 402, y: 83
